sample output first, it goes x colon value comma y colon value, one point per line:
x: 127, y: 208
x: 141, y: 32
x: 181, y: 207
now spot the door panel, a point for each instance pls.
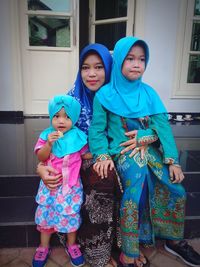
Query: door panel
x: 111, y: 20
x: 49, y: 51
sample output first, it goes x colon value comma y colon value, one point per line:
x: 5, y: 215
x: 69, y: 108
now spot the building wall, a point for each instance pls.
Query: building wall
x: 160, y: 25
x: 10, y: 65
x: 160, y: 31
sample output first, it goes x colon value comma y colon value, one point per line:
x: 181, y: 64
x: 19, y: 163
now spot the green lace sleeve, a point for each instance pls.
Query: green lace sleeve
x: 160, y: 124
x: 146, y: 137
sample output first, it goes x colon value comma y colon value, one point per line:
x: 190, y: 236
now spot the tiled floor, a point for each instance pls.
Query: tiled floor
x: 22, y: 257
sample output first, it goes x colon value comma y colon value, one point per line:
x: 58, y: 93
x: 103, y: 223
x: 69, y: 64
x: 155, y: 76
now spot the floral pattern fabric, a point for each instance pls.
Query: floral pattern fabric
x: 62, y: 213
x: 162, y: 212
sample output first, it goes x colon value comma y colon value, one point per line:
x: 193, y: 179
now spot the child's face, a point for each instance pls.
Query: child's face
x: 134, y: 63
x: 93, y: 72
x: 61, y: 122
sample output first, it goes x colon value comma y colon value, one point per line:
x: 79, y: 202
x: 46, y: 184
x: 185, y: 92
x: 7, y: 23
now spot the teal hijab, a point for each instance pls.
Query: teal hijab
x: 130, y: 99
x: 72, y: 140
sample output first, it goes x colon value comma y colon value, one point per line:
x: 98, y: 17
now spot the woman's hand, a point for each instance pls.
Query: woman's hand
x: 102, y: 167
x: 131, y: 144
x: 176, y: 174
x: 87, y: 155
x: 49, y: 176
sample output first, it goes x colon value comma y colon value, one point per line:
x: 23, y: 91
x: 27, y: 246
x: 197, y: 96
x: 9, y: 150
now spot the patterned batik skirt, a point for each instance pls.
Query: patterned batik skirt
x: 152, y: 206
x: 100, y: 215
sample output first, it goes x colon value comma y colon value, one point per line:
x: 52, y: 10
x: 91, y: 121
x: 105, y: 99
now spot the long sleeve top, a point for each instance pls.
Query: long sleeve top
x: 107, y: 132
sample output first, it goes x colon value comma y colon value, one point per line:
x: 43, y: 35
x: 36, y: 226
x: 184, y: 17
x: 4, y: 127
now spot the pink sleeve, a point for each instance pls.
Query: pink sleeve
x: 40, y: 143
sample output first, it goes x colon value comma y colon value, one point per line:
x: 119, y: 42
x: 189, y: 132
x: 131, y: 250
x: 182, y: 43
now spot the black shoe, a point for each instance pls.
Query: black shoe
x: 184, y: 251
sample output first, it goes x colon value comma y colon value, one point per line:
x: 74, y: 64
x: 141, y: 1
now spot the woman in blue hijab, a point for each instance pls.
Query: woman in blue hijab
x: 101, y: 196
x: 99, y: 210
x: 153, y: 199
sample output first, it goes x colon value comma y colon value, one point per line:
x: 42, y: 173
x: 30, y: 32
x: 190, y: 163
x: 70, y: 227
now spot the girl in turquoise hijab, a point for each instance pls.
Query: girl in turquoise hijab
x: 61, y: 146
x: 153, y: 200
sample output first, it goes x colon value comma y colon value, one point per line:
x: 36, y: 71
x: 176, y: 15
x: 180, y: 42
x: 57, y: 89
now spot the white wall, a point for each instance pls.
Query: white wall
x: 160, y: 32
x: 10, y: 67
x: 159, y: 28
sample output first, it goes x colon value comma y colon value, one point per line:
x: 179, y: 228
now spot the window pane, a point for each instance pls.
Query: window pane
x: 109, y: 34
x: 194, y: 69
x: 195, y: 43
x: 106, y: 9
x: 50, y: 5
x: 197, y: 8
x: 49, y: 31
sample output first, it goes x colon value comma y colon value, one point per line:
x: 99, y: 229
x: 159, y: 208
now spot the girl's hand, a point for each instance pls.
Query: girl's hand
x: 101, y: 167
x: 142, y: 150
x: 49, y: 176
x: 52, y: 137
x: 131, y: 144
x: 176, y: 174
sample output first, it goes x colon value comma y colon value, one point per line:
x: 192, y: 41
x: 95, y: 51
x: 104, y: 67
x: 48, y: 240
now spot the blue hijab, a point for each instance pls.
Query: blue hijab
x: 72, y: 140
x: 81, y: 92
x: 130, y: 99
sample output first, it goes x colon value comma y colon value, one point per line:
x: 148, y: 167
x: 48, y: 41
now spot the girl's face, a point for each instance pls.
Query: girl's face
x: 93, y: 72
x: 61, y: 122
x: 134, y: 63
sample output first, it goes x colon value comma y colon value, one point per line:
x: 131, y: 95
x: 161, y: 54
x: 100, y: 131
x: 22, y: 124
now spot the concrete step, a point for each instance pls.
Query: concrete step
x: 17, y: 202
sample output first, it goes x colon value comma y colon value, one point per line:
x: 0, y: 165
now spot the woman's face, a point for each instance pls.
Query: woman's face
x: 93, y: 72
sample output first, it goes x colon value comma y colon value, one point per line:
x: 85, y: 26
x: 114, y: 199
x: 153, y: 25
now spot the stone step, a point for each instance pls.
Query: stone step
x: 18, y: 185
x: 17, y: 202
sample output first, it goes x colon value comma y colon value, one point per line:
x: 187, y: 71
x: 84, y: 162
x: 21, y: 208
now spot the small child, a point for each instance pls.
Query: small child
x: 61, y: 146
x: 153, y: 200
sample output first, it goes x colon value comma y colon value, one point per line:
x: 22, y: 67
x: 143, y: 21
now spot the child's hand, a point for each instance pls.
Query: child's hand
x: 176, y: 174
x: 87, y: 155
x: 101, y: 167
x: 142, y: 150
x: 52, y: 137
x: 131, y: 144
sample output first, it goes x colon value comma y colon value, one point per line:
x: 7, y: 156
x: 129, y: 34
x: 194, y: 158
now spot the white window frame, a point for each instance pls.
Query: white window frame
x: 68, y: 15
x: 182, y: 89
x: 129, y: 19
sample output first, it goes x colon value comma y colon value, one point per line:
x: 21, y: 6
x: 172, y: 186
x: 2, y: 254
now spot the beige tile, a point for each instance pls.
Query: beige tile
x: 22, y: 257
x: 162, y: 250
x: 163, y: 260
x: 149, y: 252
x: 7, y: 255
x: 17, y: 263
x: 51, y: 263
x: 59, y: 256
x: 69, y: 265
x: 195, y: 244
x: 26, y: 254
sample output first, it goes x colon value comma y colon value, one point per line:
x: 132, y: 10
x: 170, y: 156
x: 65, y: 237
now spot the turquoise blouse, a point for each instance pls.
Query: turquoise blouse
x: 107, y: 132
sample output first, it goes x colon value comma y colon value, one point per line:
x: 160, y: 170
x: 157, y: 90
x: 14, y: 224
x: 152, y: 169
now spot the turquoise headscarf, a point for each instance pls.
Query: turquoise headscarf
x: 130, y: 99
x: 72, y: 140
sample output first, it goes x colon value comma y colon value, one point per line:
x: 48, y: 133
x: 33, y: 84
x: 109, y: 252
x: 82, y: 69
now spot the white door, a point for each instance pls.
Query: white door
x: 49, y: 43
x: 111, y: 20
